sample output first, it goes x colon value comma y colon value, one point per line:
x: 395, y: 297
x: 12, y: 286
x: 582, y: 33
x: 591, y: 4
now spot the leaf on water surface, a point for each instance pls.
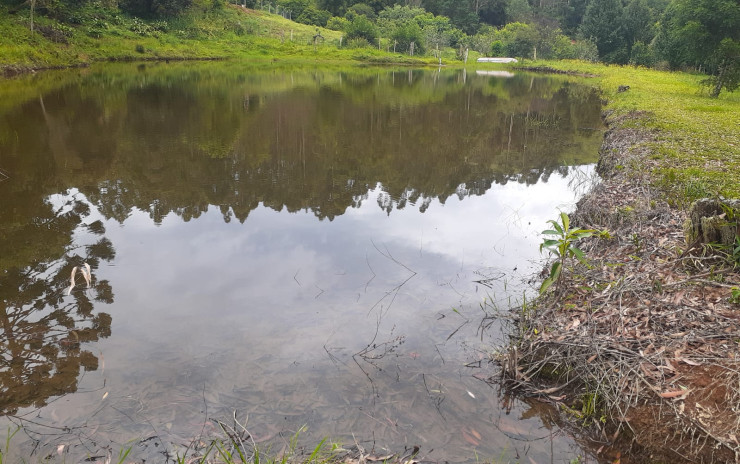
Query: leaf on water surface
x: 87, y: 275
x: 72, y: 281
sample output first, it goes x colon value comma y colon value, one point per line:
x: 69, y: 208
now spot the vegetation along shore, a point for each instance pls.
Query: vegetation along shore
x: 638, y: 341
x: 635, y: 334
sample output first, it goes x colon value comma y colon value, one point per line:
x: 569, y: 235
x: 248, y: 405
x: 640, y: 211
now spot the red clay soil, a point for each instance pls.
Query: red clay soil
x: 650, y: 328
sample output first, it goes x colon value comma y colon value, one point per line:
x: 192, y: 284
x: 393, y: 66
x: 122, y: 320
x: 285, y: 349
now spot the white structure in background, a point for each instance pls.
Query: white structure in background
x: 494, y: 73
x: 497, y: 60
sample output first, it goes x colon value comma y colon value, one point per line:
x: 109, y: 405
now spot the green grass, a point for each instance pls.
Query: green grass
x: 697, y: 148
x: 232, y: 32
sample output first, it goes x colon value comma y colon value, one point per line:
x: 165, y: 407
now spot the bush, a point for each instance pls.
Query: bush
x: 406, y: 33
x: 314, y: 17
x: 337, y: 23
x: 358, y: 42
x: 361, y: 9
x: 296, y: 7
x: 642, y: 55
x: 586, y: 50
x: 361, y: 28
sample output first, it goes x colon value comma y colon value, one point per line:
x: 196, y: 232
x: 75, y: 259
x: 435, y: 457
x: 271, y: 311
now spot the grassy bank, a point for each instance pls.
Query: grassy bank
x: 639, y: 343
x: 100, y: 34
x: 696, y: 148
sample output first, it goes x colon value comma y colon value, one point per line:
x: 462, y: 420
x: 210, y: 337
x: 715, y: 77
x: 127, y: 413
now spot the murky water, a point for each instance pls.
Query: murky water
x: 303, y: 247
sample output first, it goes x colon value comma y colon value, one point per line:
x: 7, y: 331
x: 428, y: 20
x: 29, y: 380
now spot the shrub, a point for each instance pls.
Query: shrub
x: 358, y: 42
x: 361, y: 28
x: 337, y: 23
x: 406, y: 33
x: 642, y: 55
x: 314, y: 17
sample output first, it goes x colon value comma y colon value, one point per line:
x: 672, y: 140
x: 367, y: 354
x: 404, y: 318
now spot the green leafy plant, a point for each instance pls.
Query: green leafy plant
x: 735, y: 296
x: 562, y: 244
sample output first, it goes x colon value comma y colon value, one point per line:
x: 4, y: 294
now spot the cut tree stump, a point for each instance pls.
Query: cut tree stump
x: 713, y: 221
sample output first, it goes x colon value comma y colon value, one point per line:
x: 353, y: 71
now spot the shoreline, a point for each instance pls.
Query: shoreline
x: 639, y: 347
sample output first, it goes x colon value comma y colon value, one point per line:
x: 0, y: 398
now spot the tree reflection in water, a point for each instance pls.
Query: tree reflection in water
x: 44, y: 330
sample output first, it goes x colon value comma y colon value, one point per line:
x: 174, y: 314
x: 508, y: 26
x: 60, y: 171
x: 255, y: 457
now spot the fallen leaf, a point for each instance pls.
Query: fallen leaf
x: 471, y: 394
x: 86, y: 274
x: 60, y: 449
x: 72, y: 281
x: 689, y: 362
x: 379, y: 458
x: 105, y: 395
x: 674, y: 393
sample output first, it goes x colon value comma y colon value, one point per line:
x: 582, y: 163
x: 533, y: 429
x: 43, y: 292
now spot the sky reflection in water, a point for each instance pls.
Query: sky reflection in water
x: 263, y: 314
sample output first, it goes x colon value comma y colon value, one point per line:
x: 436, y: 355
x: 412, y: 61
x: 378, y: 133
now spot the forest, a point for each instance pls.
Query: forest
x: 693, y: 35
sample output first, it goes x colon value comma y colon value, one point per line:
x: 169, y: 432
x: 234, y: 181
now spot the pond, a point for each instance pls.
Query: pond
x: 309, y: 249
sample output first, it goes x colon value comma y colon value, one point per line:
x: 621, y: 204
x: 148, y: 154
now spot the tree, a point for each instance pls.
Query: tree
x: 639, y: 23
x: 691, y: 32
x: 296, y: 7
x: 519, y: 39
x: 335, y: 7
x: 518, y: 11
x: 44, y: 328
x: 602, y: 23
x: 405, y: 34
x: 361, y: 28
x: 727, y: 58
x: 361, y: 9
x: 313, y: 16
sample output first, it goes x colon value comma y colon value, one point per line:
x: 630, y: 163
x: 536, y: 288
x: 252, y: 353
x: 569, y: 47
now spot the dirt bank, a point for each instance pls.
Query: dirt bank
x: 640, y: 346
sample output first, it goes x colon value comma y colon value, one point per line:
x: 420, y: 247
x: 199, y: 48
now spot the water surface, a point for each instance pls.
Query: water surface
x: 303, y: 247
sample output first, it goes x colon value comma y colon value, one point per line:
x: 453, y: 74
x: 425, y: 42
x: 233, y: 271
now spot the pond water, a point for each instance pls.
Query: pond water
x: 302, y: 246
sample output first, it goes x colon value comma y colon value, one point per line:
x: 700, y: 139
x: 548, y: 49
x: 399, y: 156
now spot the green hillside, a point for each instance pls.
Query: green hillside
x: 104, y: 34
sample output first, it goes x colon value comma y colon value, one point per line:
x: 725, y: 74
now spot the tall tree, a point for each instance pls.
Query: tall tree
x: 692, y: 30
x: 603, y: 23
x: 335, y: 7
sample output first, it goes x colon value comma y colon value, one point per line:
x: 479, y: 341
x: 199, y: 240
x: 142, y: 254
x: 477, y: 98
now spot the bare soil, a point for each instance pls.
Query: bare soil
x: 640, y: 346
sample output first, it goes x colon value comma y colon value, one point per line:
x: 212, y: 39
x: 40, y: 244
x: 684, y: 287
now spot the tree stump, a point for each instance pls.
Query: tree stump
x: 713, y: 221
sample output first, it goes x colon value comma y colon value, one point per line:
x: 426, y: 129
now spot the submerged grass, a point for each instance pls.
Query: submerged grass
x: 696, y: 147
